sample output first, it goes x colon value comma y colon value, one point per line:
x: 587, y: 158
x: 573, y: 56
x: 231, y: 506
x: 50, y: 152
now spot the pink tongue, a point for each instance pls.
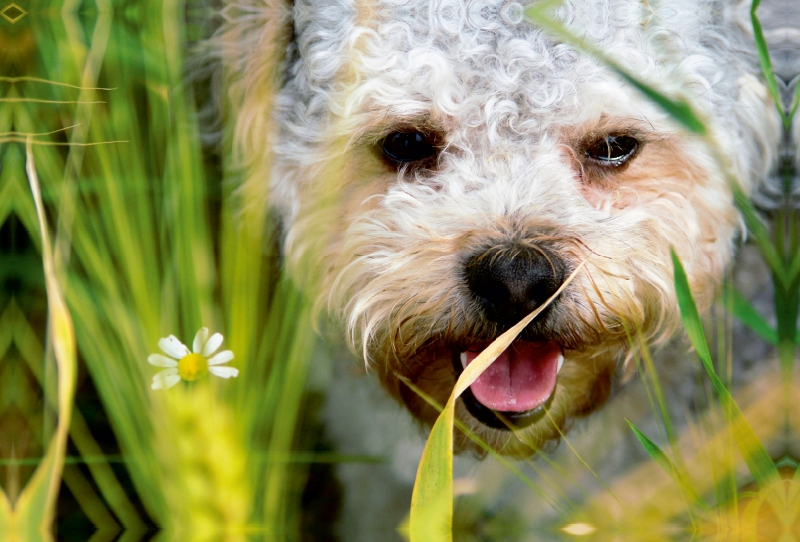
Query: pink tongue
x: 521, y: 378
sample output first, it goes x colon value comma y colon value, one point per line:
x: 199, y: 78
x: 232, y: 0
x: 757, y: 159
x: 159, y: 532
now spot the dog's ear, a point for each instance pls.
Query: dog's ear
x: 252, y: 48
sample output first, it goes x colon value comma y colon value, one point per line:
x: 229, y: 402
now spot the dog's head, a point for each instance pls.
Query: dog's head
x: 442, y: 167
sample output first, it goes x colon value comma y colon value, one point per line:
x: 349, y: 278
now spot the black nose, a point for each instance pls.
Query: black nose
x: 511, y: 281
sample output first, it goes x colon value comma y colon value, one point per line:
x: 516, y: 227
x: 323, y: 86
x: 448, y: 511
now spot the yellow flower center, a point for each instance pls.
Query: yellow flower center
x: 192, y: 366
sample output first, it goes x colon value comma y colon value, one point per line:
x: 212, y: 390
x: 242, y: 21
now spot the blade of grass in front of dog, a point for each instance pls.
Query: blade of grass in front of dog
x: 652, y: 385
x: 34, y: 510
x: 667, y: 465
x: 431, y: 518
x: 658, y: 397
x: 741, y: 308
x: 546, y: 494
x: 787, y: 288
x: 658, y: 403
x: 787, y: 298
x: 756, y: 228
x: 755, y: 455
x: 795, y: 103
x: 5, y: 513
x: 766, y: 62
x: 678, y: 109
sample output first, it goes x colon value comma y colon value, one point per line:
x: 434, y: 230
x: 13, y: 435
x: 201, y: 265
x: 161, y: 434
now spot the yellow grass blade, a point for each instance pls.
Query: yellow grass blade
x: 34, y: 511
x: 432, y: 500
x: 5, y: 514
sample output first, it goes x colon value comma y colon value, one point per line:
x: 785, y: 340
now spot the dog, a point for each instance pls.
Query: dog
x: 441, y: 167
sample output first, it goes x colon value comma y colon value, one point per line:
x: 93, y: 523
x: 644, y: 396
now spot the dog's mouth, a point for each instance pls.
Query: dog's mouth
x: 517, y: 388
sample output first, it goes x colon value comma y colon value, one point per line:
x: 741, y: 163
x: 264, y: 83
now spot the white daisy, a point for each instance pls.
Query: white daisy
x: 189, y: 366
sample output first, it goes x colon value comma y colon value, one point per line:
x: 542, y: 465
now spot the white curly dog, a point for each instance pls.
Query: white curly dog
x: 440, y: 167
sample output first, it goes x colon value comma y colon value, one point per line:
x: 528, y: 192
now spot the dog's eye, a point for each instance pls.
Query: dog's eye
x: 405, y: 147
x: 612, y: 150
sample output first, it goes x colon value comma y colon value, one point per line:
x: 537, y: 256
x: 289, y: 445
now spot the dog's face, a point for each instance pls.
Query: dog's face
x: 443, y: 167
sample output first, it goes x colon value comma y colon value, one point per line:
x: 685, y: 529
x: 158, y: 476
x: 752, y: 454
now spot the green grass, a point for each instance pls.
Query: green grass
x: 144, y: 245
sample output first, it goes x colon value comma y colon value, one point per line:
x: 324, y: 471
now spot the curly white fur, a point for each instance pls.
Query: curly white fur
x: 383, y: 249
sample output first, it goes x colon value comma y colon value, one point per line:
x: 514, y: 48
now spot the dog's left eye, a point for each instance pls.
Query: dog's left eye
x: 612, y: 150
x: 406, y: 147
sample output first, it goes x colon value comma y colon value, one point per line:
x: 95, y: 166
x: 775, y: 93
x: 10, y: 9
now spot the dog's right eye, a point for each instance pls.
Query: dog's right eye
x: 408, y: 146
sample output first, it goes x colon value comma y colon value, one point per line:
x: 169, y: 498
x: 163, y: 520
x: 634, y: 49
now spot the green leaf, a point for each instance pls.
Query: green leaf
x: 755, y: 455
x: 758, y: 231
x: 766, y: 62
x: 741, y: 308
x: 795, y: 103
x: 690, y: 316
x: 678, y: 109
x: 665, y: 463
x: 654, y: 451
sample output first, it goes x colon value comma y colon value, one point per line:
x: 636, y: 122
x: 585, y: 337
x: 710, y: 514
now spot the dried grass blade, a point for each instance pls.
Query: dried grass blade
x: 431, y: 517
x: 6, y: 517
x: 35, y: 509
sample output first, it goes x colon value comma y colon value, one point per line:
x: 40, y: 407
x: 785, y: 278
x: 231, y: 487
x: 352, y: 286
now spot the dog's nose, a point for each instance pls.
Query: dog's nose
x: 511, y: 281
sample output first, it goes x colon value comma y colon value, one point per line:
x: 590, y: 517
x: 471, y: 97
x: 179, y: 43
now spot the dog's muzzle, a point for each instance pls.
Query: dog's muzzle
x: 508, y: 282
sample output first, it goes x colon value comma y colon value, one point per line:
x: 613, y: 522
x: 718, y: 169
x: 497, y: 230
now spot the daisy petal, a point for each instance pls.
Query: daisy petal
x: 200, y: 340
x: 161, y: 361
x: 212, y: 345
x: 165, y: 379
x: 173, y: 347
x: 170, y: 381
x: 223, y: 357
x: 224, y: 372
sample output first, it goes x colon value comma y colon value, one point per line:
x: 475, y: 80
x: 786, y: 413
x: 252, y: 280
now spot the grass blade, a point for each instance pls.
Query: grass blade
x: 741, y: 308
x: 761, y: 466
x: 432, y: 499
x: 34, y: 511
x: 5, y: 513
x: 30, y: 350
x: 681, y: 112
x: 555, y: 492
x: 766, y: 62
x: 665, y: 463
x: 678, y: 109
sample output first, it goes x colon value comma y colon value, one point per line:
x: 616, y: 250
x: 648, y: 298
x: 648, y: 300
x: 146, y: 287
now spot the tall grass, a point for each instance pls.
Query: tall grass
x: 144, y: 245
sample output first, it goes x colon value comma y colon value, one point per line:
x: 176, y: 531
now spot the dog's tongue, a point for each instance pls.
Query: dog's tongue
x: 521, y: 378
